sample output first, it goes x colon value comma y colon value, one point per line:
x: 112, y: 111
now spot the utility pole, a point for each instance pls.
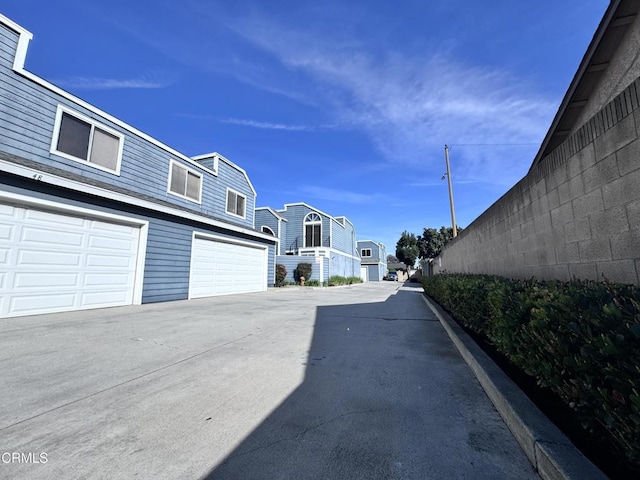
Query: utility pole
x: 448, y: 174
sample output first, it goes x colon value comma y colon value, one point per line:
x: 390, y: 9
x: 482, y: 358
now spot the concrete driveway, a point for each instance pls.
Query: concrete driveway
x: 341, y: 383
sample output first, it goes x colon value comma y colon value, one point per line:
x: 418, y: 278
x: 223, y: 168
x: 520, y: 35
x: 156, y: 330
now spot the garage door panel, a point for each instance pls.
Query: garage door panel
x: 6, y: 232
x: 107, y: 243
x: 39, y: 236
x: 112, y: 229
x: 105, y: 280
x: 55, y: 262
x: 39, y: 303
x: 109, y: 261
x: 47, y: 218
x: 104, y: 299
x: 42, y: 258
x: 40, y: 279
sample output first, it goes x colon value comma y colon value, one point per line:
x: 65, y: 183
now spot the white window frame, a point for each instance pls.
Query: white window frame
x: 363, y: 252
x: 306, y: 222
x: 267, y: 230
x: 173, y: 162
x: 226, y: 201
x: 56, y: 136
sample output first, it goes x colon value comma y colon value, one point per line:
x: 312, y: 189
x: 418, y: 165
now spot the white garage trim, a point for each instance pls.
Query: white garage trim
x: 24, y: 201
x: 229, y: 241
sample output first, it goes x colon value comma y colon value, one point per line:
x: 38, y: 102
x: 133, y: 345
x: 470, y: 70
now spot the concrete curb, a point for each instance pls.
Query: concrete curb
x: 551, y: 453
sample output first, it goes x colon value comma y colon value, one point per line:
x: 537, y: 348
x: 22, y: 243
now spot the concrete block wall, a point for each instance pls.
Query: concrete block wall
x: 575, y: 214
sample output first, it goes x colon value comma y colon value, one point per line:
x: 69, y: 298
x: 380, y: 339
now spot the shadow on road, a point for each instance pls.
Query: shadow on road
x: 385, y: 395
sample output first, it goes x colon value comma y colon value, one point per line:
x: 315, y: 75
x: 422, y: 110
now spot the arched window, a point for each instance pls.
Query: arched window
x: 312, y: 230
x: 268, y: 231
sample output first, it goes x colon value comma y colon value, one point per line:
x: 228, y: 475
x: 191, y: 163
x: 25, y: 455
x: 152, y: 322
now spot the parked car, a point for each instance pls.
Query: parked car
x: 393, y: 276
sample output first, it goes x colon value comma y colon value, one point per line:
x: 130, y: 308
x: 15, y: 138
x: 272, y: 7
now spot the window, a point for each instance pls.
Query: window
x: 185, y: 182
x: 236, y: 203
x: 268, y: 231
x: 312, y: 230
x: 78, y: 138
x: 366, y: 252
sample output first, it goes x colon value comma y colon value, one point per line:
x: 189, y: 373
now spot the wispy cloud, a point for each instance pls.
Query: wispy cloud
x: 97, y: 83
x: 342, y: 196
x: 411, y: 106
x: 266, y: 125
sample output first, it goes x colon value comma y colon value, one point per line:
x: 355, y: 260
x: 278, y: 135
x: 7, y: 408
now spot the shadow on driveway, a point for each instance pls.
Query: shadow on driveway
x: 385, y: 396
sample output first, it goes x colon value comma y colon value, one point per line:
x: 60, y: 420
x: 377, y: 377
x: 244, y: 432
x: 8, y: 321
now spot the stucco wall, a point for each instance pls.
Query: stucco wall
x: 575, y: 214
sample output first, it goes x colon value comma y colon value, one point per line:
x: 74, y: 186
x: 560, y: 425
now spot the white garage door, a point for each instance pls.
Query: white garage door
x: 364, y: 274
x: 52, y: 262
x: 222, y: 268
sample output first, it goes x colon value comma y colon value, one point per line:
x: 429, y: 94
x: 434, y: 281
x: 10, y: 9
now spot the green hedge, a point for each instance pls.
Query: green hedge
x: 581, y: 339
x: 337, y: 280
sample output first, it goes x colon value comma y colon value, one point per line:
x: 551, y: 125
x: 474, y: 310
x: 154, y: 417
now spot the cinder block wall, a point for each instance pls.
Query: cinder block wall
x: 575, y: 214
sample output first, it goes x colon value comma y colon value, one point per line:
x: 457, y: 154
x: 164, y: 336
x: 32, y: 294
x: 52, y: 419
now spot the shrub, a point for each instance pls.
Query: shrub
x: 580, y: 339
x: 312, y: 283
x: 281, y: 274
x: 337, y: 280
x: 352, y: 280
x: 303, y: 270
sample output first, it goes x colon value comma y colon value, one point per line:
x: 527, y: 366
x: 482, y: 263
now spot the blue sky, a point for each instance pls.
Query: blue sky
x: 344, y: 105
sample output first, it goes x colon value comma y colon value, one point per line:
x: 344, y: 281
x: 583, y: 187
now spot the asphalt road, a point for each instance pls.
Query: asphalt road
x: 341, y: 383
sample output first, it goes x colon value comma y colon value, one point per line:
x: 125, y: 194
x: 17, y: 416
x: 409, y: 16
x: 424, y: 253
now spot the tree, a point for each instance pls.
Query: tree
x: 432, y: 241
x: 407, y: 249
x: 392, y: 259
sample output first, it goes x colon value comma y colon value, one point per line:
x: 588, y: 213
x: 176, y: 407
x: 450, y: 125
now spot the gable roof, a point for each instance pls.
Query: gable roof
x: 614, y: 25
x: 273, y: 212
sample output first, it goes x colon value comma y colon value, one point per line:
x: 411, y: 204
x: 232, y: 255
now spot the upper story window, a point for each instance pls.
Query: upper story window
x: 236, y: 203
x: 80, y: 138
x: 268, y: 231
x: 312, y: 230
x: 366, y: 252
x: 185, y: 182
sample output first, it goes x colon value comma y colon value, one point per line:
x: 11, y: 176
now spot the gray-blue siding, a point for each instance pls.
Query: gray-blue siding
x: 291, y: 263
x: 264, y: 218
x: 27, y: 117
x: 344, y: 238
x: 168, y: 256
x: 344, y: 265
x: 295, y: 215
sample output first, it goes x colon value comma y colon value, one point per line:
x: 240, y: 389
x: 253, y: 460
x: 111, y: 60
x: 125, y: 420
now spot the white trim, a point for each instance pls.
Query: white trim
x: 217, y: 238
x: 120, y: 197
x: 241, y: 170
x: 206, y: 156
x: 26, y: 201
x: 317, y: 250
x: 173, y: 162
x: 286, y: 205
x: 56, y: 136
x: 346, y: 219
x: 263, y: 227
x: 273, y: 212
x: 362, y: 250
x: 226, y: 202
x: 18, y: 66
x: 306, y: 222
x: 331, y: 232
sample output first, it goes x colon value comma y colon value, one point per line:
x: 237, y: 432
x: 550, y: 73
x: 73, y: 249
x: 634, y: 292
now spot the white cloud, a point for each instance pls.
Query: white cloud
x: 96, y: 83
x: 411, y: 106
x: 266, y: 125
x: 342, y: 196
